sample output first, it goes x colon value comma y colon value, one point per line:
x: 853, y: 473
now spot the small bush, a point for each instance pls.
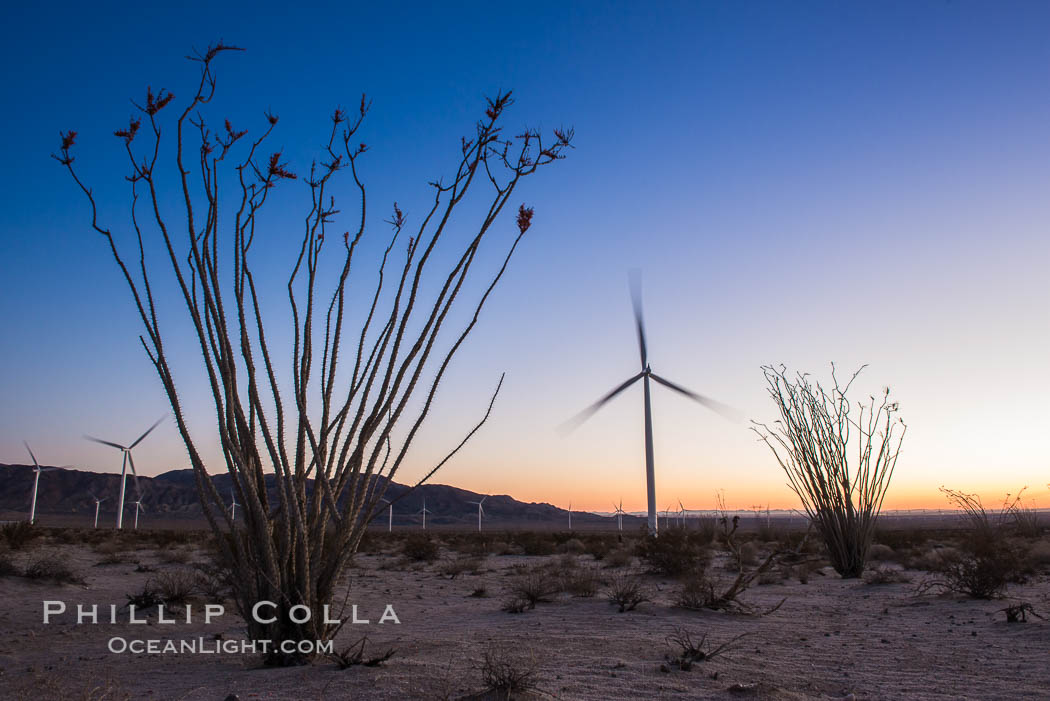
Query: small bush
x: 148, y: 598
x: 508, y: 672
x: 583, y: 582
x: 52, y: 569
x: 574, y: 546
x: 685, y: 651
x: 419, y: 547
x: 453, y: 567
x: 479, y: 593
x: 626, y: 591
x: 175, y: 587
x: 675, y: 552
x: 621, y: 557
x: 981, y: 570
x: 19, y: 535
x: 536, y: 585
x: 535, y: 544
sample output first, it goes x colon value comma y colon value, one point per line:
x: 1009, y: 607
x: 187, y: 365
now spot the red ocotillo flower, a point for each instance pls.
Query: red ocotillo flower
x: 278, y: 169
x: 129, y: 133
x: 156, y: 103
x: 524, y: 218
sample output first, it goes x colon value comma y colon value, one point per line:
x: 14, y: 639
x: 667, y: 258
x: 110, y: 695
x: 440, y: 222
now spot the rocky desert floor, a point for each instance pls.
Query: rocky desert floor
x: 831, y: 638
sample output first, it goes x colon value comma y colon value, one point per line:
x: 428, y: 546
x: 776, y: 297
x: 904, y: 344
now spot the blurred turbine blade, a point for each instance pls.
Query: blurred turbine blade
x: 636, y: 301
x: 574, y: 423
x: 109, y: 443
x: 35, y: 463
x: 723, y: 410
x: 138, y: 489
x: 150, y: 429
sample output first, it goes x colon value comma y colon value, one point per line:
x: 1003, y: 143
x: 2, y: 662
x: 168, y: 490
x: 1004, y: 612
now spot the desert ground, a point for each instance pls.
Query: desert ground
x: 880, y: 637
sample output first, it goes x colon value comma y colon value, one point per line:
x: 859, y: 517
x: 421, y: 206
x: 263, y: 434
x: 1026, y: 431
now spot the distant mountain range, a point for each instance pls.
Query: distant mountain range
x: 173, y: 495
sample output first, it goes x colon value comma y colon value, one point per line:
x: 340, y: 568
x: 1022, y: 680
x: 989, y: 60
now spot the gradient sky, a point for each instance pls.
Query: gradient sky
x: 800, y: 183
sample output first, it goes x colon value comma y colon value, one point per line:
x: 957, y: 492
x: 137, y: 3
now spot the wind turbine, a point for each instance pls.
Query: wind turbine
x: 570, y: 515
x: 681, y: 513
x: 233, y: 505
x: 647, y: 376
x: 36, y: 481
x: 390, y: 516
x: 138, y: 507
x: 481, y: 510
x: 124, y: 469
x: 619, y: 515
x: 98, y: 502
x: 424, y: 511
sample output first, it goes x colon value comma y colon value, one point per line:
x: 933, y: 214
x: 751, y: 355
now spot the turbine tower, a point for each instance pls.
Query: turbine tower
x: 98, y: 502
x: 647, y: 376
x: 233, y: 505
x: 36, y: 481
x: 424, y: 511
x: 570, y: 515
x: 126, y: 450
x: 481, y: 510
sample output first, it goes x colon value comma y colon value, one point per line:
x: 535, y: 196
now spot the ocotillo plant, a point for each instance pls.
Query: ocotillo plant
x: 325, y: 433
x: 812, y: 440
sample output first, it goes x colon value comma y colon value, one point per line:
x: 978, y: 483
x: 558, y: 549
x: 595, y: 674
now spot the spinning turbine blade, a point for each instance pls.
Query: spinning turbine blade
x: 724, y: 410
x: 148, y: 431
x: 138, y: 490
x: 636, y: 301
x: 109, y: 443
x: 35, y: 463
x: 573, y: 423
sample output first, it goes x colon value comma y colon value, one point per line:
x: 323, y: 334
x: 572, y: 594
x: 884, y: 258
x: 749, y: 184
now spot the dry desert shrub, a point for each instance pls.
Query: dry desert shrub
x: 19, y: 535
x: 462, y: 564
x: 626, y: 590
x: 52, y: 569
x: 507, y: 670
x: 685, y: 651
x: 674, y: 553
x: 582, y: 582
x: 8, y: 568
x: 535, y: 544
x: 420, y: 547
x: 175, y: 587
x: 533, y: 586
x: 986, y: 560
x: 573, y: 546
x: 620, y: 557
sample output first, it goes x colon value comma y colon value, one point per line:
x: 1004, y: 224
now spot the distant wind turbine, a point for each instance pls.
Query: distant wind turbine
x: 481, y: 510
x: 424, y: 511
x: 233, y: 505
x: 647, y: 375
x: 124, y: 469
x: 570, y: 515
x: 98, y: 502
x: 36, y: 481
x: 619, y: 515
x: 138, y: 507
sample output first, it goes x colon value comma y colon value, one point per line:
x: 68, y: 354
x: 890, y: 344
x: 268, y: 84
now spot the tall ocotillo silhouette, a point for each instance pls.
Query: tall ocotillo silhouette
x: 647, y: 376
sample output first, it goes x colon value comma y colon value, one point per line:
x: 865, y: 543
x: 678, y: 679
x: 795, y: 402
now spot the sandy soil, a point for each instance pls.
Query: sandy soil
x: 831, y: 638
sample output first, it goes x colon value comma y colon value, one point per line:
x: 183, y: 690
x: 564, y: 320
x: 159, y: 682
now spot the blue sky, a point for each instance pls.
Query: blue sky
x: 799, y: 183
